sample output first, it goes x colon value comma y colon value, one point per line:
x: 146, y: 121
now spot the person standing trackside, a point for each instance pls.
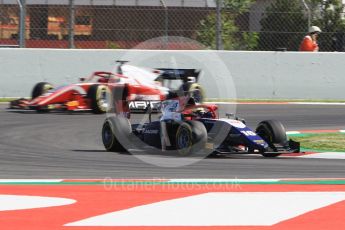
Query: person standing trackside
x: 309, y: 43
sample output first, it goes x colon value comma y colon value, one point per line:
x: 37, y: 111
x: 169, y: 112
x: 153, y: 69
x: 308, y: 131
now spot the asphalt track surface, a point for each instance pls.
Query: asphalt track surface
x: 60, y: 145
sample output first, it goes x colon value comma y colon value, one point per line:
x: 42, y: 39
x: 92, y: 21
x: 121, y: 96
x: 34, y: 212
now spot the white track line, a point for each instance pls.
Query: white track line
x: 219, y: 209
x: 317, y: 103
x: 325, y: 155
x: 221, y: 180
x: 274, y: 103
x: 293, y: 132
x: 19, y: 202
x: 30, y: 180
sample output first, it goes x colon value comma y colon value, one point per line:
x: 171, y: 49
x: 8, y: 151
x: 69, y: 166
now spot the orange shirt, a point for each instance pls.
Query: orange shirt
x: 309, y: 45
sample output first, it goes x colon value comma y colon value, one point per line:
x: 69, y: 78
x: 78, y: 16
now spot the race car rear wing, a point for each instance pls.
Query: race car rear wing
x: 179, y: 74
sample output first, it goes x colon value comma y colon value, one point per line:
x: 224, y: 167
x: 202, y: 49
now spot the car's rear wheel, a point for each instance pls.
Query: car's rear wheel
x: 116, y: 132
x: 98, y: 96
x: 40, y: 89
x: 191, y: 138
x: 273, y: 132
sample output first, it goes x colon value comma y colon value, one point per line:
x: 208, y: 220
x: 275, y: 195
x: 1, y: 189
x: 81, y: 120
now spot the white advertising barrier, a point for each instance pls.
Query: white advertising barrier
x: 254, y: 75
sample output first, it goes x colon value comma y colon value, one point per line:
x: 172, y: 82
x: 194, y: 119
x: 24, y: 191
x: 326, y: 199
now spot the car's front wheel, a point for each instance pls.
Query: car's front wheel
x: 40, y: 89
x: 273, y: 132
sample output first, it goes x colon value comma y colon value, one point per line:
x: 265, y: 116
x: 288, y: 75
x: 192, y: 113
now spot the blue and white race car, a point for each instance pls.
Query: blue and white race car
x: 187, y: 129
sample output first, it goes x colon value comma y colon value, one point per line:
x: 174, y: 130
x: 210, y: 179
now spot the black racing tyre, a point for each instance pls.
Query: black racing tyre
x: 98, y: 95
x: 190, y: 138
x: 194, y: 90
x: 40, y: 88
x: 273, y: 132
x: 43, y: 109
x: 116, y: 133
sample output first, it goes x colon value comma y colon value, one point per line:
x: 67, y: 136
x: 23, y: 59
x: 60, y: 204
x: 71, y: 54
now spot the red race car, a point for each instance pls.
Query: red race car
x: 90, y: 94
x: 145, y: 87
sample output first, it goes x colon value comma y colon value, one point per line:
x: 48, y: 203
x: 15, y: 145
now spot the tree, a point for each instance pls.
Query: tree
x: 282, y: 26
x: 327, y: 14
x: 239, y: 6
x: 231, y: 38
x: 207, y: 32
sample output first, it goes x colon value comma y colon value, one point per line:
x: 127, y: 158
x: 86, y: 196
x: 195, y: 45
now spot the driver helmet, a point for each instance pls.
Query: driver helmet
x: 191, y: 102
x: 314, y: 29
x: 102, y: 80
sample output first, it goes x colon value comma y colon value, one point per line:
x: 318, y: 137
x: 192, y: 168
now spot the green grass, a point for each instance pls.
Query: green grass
x: 272, y: 100
x: 334, y: 142
x: 8, y: 99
